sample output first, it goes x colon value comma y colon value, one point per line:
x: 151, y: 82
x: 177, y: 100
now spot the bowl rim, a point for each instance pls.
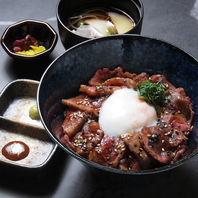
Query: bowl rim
x: 93, y: 164
x: 47, y: 25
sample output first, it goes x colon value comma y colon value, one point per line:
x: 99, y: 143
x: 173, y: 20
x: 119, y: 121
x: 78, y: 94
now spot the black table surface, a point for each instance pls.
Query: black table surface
x: 174, y: 21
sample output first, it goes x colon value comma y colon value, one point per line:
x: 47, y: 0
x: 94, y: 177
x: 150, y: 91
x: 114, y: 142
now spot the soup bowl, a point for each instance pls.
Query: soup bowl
x: 65, y: 9
x: 135, y: 54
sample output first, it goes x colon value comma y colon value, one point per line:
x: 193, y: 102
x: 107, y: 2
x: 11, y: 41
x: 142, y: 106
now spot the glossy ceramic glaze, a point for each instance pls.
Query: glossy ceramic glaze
x: 41, y: 31
x: 133, y: 53
x: 134, y: 8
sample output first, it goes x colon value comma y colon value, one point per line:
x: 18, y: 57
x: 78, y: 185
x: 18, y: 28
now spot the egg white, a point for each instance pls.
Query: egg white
x: 123, y: 112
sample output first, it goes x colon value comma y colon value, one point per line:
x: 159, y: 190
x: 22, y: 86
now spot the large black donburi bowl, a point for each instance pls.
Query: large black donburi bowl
x: 133, y: 53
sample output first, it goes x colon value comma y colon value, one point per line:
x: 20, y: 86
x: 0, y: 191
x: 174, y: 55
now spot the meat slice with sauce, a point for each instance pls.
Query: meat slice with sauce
x: 177, y: 120
x: 141, y: 77
x: 133, y: 143
x: 85, y: 140
x: 108, y: 87
x: 74, y: 121
x: 101, y: 75
x: 98, y: 91
x: 129, y: 162
x: 121, y: 82
x: 85, y: 103
x: 162, y: 80
x: 179, y: 102
x: 163, y: 144
x: 109, y: 152
x: 182, y: 103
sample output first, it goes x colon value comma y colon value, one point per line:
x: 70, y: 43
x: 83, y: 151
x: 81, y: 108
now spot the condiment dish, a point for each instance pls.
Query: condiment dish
x: 18, y: 127
x: 39, y: 30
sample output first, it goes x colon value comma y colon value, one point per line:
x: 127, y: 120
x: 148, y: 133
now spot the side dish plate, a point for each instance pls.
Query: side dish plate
x: 16, y: 125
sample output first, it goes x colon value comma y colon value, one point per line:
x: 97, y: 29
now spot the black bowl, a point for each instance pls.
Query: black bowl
x: 41, y: 31
x: 65, y: 9
x: 134, y: 54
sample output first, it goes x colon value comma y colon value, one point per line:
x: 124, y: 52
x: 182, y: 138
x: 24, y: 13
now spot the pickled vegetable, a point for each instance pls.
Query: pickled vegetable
x: 33, y: 50
x: 28, y: 46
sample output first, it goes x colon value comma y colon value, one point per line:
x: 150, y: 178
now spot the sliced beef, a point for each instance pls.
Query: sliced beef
x: 121, y: 82
x: 162, y: 80
x: 177, y: 120
x: 130, y: 162
x: 85, y: 103
x: 163, y: 144
x: 141, y: 77
x: 109, y: 152
x: 133, y: 143
x: 182, y: 103
x: 86, y: 140
x: 74, y: 121
x: 98, y: 91
x: 178, y: 100
x: 108, y: 87
x: 102, y: 75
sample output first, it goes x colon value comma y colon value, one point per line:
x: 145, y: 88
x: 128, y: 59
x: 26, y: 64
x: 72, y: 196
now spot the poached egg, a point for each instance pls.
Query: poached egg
x: 123, y: 112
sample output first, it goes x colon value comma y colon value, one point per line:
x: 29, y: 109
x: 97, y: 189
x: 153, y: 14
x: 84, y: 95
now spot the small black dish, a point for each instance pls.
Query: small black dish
x: 41, y: 31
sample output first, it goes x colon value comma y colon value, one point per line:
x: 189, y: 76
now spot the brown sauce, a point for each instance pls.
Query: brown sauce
x: 15, y: 150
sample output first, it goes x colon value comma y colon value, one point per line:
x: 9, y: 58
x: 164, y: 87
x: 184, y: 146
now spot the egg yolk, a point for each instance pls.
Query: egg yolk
x: 123, y: 112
